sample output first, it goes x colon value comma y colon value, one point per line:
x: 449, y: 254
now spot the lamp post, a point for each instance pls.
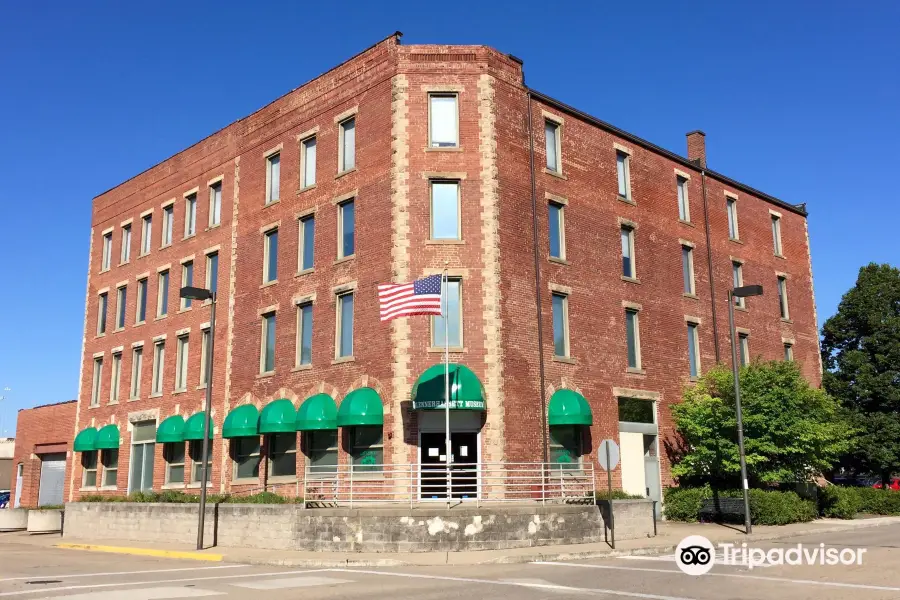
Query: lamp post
x: 195, y: 293
x: 740, y: 292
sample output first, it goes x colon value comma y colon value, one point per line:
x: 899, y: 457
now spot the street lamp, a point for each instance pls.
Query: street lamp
x: 740, y: 292
x: 195, y: 293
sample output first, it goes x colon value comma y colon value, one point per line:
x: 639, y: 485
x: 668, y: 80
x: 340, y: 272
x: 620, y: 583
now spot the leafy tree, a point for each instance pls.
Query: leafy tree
x: 861, y: 355
x: 792, y: 431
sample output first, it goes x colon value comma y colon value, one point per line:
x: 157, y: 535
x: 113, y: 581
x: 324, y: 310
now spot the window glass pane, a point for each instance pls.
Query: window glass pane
x: 110, y: 467
x: 692, y: 349
x: 215, y: 209
x: 551, y: 131
x: 744, y: 349
x: 454, y: 325
x: 274, y: 177
x: 322, y: 450
x: 346, y: 341
x: 196, y: 450
x: 621, y: 175
x: 306, y: 326
x: 271, y: 256
x: 443, y: 121
x: 559, y: 325
x: 348, y: 129
x: 686, y: 270
x: 782, y: 297
x: 732, y: 218
x: 145, y: 431
x: 682, y: 199
x: 445, y: 211
x: 174, y: 452
x: 269, y: 349
x: 309, y: 162
x: 788, y: 352
x: 631, y: 335
x: 348, y: 228
x: 190, y: 217
x: 283, y: 457
x: 367, y: 451
x: 308, y: 227
x: 212, y: 272
x: 565, y: 450
x: 187, y: 279
x: 555, y: 238
x: 246, y: 455
x: 147, y: 467
x: 627, y: 266
x: 636, y: 411
x: 101, y: 317
x: 163, y: 293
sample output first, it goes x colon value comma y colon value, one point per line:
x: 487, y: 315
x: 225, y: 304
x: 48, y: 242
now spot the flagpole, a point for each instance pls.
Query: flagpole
x: 446, y: 297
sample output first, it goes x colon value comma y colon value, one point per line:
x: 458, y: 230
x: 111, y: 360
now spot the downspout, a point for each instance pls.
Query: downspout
x: 537, y: 287
x: 709, y: 263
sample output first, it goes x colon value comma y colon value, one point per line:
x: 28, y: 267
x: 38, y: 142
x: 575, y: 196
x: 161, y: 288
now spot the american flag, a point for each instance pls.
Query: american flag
x: 421, y: 297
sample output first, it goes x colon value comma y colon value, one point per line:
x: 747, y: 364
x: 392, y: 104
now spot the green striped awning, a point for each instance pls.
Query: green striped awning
x: 278, y: 416
x: 361, y: 407
x: 316, y: 413
x: 193, y: 427
x: 108, y: 438
x: 568, y: 407
x: 242, y: 421
x: 429, y: 391
x: 86, y: 440
x: 171, y: 430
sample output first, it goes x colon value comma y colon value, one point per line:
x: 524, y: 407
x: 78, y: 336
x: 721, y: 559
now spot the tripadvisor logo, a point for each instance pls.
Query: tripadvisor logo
x: 695, y: 555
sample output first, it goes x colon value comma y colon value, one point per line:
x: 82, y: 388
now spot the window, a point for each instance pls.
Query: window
x: 146, y: 234
x: 304, y: 334
x: 89, y: 467
x: 633, y: 410
x: 283, y: 454
x: 445, y: 219
x: 121, y: 299
x: 204, y: 348
x: 560, y: 325
x: 215, y: 204
x: 173, y: 454
x: 633, y: 339
x: 684, y: 207
x: 454, y: 310
x: 270, y: 256
x: 443, y: 119
x: 687, y: 269
x: 347, y: 145
x: 190, y: 215
x: 141, y: 314
x: 98, y: 381
x: 788, y: 351
x: 162, y: 294
x: 344, y: 333
x: 308, y: 160
x: 744, y: 348
x: 126, y: 244
x: 137, y: 364
x: 623, y: 174
x: 346, y: 229
x: 196, y: 453
x: 731, y: 209
x: 103, y: 302
x: 322, y: 450
x: 628, y: 268
x: 168, y: 224
x: 187, y: 279
x: 366, y: 448
x: 143, y: 438
x: 273, y: 178
x: 159, y: 357
x: 783, y: 298
x: 693, y: 350
x: 551, y: 137
x: 557, y: 231
x: 245, y: 454
x: 267, y: 347
x: 181, y: 362
x: 110, y: 460
x: 565, y: 447
x: 737, y: 276
x: 107, y: 251
x: 116, y: 377
x: 776, y: 234
x: 212, y: 272
x: 307, y: 244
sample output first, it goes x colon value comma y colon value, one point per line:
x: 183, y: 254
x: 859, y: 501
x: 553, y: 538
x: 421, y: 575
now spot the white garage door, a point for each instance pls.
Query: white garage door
x: 53, y: 475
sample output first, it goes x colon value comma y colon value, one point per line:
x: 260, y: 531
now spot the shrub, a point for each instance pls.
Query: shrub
x: 179, y: 497
x: 260, y: 498
x: 839, y: 502
x: 683, y: 503
x: 767, y: 507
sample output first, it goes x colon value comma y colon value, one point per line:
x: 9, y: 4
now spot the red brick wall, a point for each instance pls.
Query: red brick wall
x: 40, y: 430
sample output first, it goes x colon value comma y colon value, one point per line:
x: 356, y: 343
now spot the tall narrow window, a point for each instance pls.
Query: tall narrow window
x: 245, y: 454
x: 212, y: 272
x: 551, y: 136
x: 684, y: 207
x: 97, y: 381
x: 367, y: 448
x: 187, y: 280
x: 731, y: 209
x: 308, y: 159
x: 195, y: 450
x: 273, y: 178
x: 344, y: 345
x: 565, y: 447
x: 283, y: 454
x: 181, y: 363
x: 204, y: 348
x: 304, y: 333
x: 89, y: 468
x: 106, y: 259
x: 628, y: 269
x: 173, y: 454
x: 783, y: 298
x: 159, y: 357
x: 267, y: 345
x: 557, y: 231
x: 322, y: 450
x: 102, y: 308
x: 346, y: 229
x: 788, y: 351
x: 737, y: 277
x: 307, y: 243
x: 347, y: 145
x: 560, y: 325
x: 162, y: 294
x: 116, y: 377
x: 687, y: 269
x: 445, y: 221
x: 623, y: 174
x: 126, y: 244
x: 143, y: 446
x: 270, y: 256
x: 215, y: 204
x: 443, y: 132
x: 633, y: 338
x: 776, y: 235
x: 693, y: 350
x: 121, y: 300
x: 454, y: 310
x: 168, y: 224
x: 744, y: 348
x: 137, y: 364
x: 110, y: 461
x: 141, y: 314
x: 190, y: 215
x: 146, y: 234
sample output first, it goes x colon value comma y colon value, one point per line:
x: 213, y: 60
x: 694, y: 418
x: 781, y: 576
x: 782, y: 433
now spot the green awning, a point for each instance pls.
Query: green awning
x: 465, y: 389
x: 568, y: 407
x: 278, y: 416
x: 243, y: 421
x: 108, y: 438
x: 86, y: 440
x: 361, y: 407
x: 193, y: 427
x: 316, y: 413
x: 172, y: 430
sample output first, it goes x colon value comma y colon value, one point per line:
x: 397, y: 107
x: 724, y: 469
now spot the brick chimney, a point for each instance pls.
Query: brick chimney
x: 696, y: 142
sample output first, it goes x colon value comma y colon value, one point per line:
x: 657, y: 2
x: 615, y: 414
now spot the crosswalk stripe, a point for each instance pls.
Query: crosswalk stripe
x: 150, y: 593
x: 290, y: 582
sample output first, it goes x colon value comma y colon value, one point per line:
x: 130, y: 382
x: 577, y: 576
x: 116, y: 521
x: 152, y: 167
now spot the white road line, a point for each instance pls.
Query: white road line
x: 290, y: 582
x: 838, y: 584
x: 539, y: 586
x: 670, y: 558
x: 159, y: 593
x: 53, y: 590
x: 70, y: 576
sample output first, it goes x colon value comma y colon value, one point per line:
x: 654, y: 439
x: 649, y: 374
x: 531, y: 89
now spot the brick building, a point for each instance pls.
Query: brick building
x: 40, y: 461
x: 589, y: 271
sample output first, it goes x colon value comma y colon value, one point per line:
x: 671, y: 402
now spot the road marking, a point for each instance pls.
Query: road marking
x: 143, y: 551
x: 290, y: 582
x: 160, y: 593
x: 131, y: 583
x: 720, y: 560
x: 539, y: 586
x: 111, y: 573
x: 861, y: 586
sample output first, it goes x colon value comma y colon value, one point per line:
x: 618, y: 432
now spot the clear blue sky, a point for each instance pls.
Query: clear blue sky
x: 799, y: 99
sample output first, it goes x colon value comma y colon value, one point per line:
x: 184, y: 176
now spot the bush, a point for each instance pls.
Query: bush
x: 845, y: 502
x: 766, y: 507
x: 179, y: 497
x: 260, y: 498
x: 616, y: 495
x: 683, y: 503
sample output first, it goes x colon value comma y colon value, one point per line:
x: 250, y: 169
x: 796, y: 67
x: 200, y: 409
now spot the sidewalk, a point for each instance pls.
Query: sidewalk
x: 669, y: 535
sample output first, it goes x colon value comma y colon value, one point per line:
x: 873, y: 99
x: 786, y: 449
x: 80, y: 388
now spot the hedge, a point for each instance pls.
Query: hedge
x: 178, y: 497
x: 767, y: 507
x: 845, y: 502
x: 616, y: 495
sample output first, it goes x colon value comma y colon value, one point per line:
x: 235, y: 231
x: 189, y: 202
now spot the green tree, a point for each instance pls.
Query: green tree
x: 791, y: 430
x: 861, y: 355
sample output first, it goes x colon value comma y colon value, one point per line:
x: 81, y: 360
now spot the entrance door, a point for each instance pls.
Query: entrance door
x: 53, y: 475
x: 19, y: 470
x: 463, y: 467
x: 651, y: 470
x: 434, y: 482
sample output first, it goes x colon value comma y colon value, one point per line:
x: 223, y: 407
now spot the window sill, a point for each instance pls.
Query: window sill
x: 189, y: 236
x: 156, y: 395
x: 344, y: 259
x: 688, y: 223
x: 563, y: 359
x: 143, y: 254
x: 736, y: 241
x: 691, y: 296
x: 441, y: 349
x: 173, y: 486
x: 164, y: 246
x: 108, y: 488
x: 306, y: 367
x: 443, y: 149
x: 268, y: 283
x: 448, y: 242
x: 781, y: 256
x: 99, y: 335
x: 118, y: 329
x: 305, y: 272
x: 265, y: 375
x: 196, y: 486
x: 202, y: 386
x: 93, y: 406
x: 179, y: 391
x: 626, y: 200
x: 183, y: 310
x: 345, y: 172
x: 139, y: 323
x: 106, y: 270
x: 630, y: 279
x: 88, y: 489
x: 112, y: 402
x: 272, y: 203
x: 556, y: 174
x: 161, y: 317
x: 213, y: 226
x: 557, y: 260
x: 282, y: 479
x: 132, y: 400
x: 633, y: 371
x: 245, y: 481
x: 788, y: 320
x: 306, y: 189
x: 343, y: 359
x: 125, y: 262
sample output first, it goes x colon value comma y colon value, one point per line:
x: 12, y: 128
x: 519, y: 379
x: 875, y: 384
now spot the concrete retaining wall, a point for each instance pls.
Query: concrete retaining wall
x: 633, y: 519
x: 12, y: 519
x: 44, y: 521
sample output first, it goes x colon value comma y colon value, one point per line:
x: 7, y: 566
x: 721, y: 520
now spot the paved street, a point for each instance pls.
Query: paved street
x: 33, y: 572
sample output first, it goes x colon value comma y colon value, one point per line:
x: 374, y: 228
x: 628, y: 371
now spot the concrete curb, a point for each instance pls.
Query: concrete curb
x: 143, y: 552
